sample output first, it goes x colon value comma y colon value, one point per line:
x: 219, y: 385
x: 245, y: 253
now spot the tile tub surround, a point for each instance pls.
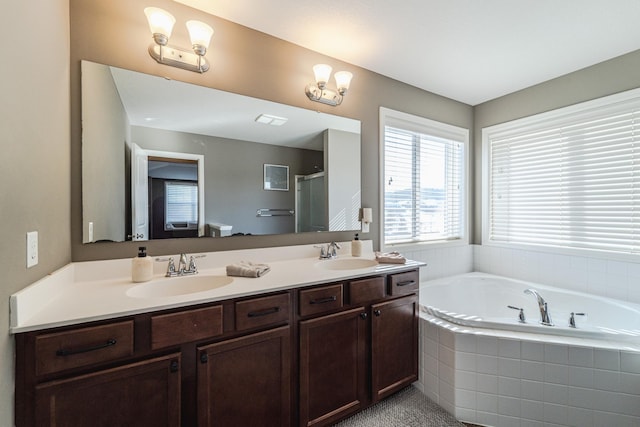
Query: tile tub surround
x: 97, y: 290
x: 590, y: 274
x: 502, y: 378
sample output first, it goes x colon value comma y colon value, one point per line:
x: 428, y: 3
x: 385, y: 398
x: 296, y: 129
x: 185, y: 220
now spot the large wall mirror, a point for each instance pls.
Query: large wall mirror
x: 168, y: 159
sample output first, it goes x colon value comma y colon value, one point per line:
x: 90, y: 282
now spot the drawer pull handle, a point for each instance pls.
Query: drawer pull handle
x: 323, y: 300
x: 266, y: 312
x: 406, y: 283
x: 377, y: 312
x: 70, y: 352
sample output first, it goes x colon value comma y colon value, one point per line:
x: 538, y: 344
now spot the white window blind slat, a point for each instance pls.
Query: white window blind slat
x: 571, y: 180
x: 424, y: 191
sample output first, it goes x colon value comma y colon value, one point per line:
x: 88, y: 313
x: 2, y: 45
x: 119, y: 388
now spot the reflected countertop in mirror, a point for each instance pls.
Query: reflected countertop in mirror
x: 166, y: 159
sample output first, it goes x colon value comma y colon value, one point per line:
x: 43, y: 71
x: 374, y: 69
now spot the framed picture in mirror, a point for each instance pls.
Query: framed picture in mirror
x: 276, y: 177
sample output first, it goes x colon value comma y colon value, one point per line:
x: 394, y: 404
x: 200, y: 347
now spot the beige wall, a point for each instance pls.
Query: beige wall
x: 243, y: 61
x: 34, y: 165
x: 616, y: 75
x: 105, y: 123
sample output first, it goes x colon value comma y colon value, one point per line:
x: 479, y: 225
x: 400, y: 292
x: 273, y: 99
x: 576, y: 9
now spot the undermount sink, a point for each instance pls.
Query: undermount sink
x: 346, y: 264
x: 176, y: 286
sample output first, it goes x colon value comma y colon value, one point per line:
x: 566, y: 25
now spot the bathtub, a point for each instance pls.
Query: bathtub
x: 481, y: 300
x: 485, y: 367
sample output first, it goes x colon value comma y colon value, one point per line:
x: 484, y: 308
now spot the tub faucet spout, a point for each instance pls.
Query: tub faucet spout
x: 545, y: 318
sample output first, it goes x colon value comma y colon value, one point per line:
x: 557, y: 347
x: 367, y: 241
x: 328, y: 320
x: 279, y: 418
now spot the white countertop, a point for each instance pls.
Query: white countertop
x: 97, y: 290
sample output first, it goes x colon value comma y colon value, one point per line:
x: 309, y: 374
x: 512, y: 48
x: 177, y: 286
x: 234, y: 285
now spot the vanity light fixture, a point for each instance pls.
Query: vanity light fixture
x: 319, y: 92
x: 161, y: 24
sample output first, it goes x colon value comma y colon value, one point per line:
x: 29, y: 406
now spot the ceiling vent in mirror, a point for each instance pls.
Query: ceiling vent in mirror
x: 268, y: 119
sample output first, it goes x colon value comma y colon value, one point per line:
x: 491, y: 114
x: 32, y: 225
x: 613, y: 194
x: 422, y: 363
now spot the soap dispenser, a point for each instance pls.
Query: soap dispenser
x: 356, y: 246
x: 142, y: 266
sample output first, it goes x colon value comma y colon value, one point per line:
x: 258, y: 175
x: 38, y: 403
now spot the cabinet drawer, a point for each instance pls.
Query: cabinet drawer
x: 361, y: 291
x: 82, y: 347
x: 320, y: 300
x: 404, y: 283
x: 262, y: 311
x: 185, y: 326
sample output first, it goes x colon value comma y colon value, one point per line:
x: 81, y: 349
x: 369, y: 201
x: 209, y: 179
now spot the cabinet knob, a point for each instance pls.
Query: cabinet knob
x: 363, y: 315
x: 174, y: 366
x: 204, y: 358
x: 377, y: 312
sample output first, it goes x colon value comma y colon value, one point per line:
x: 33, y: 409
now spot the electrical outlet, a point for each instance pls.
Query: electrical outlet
x: 32, y: 248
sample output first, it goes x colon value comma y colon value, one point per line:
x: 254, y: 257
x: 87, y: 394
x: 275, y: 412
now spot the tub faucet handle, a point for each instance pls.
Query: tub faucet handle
x: 521, y: 317
x: 572, y: 318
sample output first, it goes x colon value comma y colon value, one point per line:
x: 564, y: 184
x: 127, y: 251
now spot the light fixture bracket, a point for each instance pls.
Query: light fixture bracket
x: 325, y: 96
x: 176, y: 57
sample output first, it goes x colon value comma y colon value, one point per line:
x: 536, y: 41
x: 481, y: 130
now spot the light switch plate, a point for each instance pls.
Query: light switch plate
x: 32, y: 248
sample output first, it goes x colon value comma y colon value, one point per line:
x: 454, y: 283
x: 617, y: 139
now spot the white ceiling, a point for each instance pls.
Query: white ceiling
x: 160, y: 103
x: 468, y: 50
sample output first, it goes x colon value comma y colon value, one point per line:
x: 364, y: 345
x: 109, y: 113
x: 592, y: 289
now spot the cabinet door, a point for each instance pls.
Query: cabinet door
x: 394, y: 345
x: 139, y: 394
x: 332, y: 366
x: 246, y: 381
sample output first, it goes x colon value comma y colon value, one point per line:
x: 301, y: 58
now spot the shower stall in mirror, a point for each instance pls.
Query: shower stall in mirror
x: 311, y: 206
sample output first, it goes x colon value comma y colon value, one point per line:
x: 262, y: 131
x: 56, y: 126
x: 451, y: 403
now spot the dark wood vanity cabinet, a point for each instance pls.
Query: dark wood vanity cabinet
x: 246, y: 381
x: 145, y: 393
x: 394, y: 345
x: 308, y: 356
x: 332, y: 366
x: 354, y: 357
x: 89, y: 375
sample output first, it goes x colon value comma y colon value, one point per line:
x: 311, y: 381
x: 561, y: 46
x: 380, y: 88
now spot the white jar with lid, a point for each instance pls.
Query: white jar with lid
x: 142, y: 266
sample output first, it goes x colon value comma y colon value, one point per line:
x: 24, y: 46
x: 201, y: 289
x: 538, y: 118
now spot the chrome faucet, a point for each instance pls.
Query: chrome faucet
x: 330, y: 251
x: 545, y: 318
x: 184, y: 268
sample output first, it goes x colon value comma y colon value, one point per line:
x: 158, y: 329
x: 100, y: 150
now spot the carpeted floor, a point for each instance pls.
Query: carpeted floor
x: 407, y: 408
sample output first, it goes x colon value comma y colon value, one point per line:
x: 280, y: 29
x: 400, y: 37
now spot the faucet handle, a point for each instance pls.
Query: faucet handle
x: 572, y: 319
x: 331, y: 249
x: 192, y: 265
x: 323, y: 251
x: 171, y: 268
x: 521, y: 317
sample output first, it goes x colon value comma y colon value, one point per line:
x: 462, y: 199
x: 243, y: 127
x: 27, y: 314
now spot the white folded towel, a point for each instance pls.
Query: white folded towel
x: 390, y: 258
x: 247, y: 269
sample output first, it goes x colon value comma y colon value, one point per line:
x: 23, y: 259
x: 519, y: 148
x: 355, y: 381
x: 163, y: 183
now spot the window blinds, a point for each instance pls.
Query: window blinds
x: 572, y: 181
x: 181, y: 202
x: 423, y: 180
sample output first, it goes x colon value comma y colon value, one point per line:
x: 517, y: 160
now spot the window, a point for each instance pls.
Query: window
x: 424, y: 180
x: 568, y: 179
x: 181, y: 200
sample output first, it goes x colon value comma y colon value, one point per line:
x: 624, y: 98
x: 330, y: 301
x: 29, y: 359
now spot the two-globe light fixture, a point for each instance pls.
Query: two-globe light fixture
x: 319, y: 92
x: 161, y: 24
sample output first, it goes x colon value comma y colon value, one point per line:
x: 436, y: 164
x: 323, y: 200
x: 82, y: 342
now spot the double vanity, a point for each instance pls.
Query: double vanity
x: 309, y: 343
